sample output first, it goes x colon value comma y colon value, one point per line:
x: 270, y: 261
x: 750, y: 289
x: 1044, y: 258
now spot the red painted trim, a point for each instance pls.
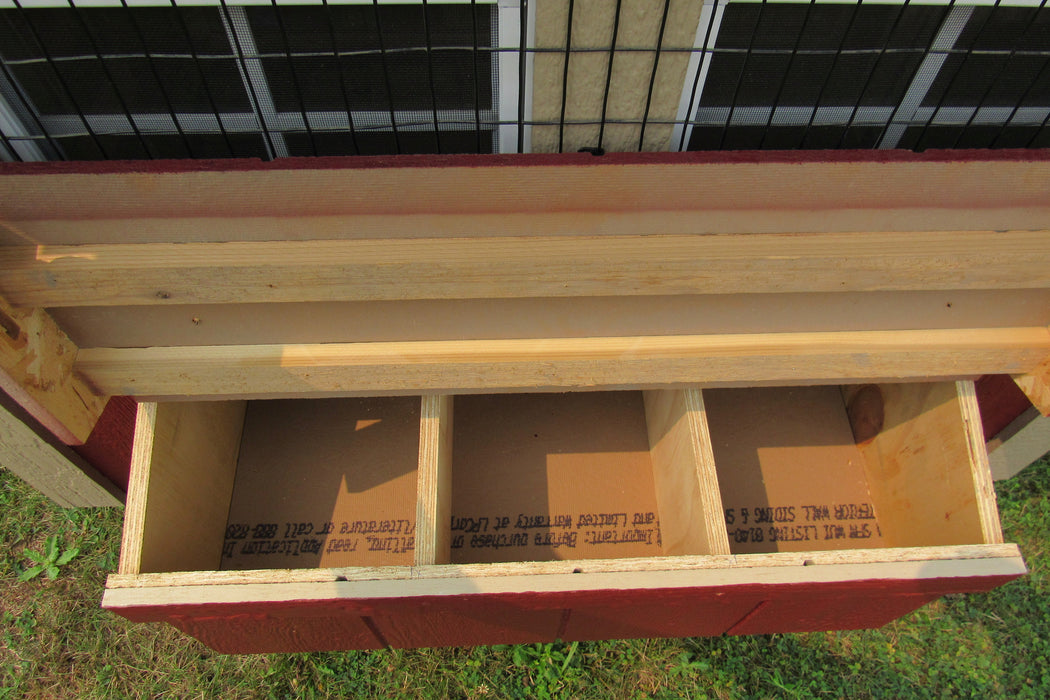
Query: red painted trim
x: 1000, y: 401
x: 522, y: 160
x: 502, y: 618
x: 108, y: 448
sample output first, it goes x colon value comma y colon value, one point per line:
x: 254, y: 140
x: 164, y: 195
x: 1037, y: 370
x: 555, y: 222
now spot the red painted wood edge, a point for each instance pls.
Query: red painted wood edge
x: 473, y: 619
x: 522, y: 160
x: 108, y: 448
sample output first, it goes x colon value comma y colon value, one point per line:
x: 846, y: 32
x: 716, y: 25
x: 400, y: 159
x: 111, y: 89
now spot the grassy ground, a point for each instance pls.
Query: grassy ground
x: 56, y: 642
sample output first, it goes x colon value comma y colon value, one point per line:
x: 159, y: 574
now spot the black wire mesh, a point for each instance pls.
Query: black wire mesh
x: 84, y: 83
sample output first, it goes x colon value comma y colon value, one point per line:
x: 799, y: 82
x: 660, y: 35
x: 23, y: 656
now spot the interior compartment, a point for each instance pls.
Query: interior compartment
x: 830, y: 468
x: 565, y: 476
x: 273, y: 484
x: 327, y: 482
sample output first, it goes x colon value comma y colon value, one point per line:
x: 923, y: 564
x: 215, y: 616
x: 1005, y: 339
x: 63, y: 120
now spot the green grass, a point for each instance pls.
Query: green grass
x: 55, y: 642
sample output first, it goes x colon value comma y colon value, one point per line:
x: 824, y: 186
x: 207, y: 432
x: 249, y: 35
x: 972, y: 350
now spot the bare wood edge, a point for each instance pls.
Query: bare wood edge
x: 138, y: 488
x: 684, y: 469
x: 523, y: 266
x: 1005, y: 565
x: 1036, y: 386
x: 984, y: 491
x: 686, y: 563
x: 461, y: 366
x: 707, y: 473
x: 434, y: 482
x: 34, y: 455
x: 1022, y: 442
x: 37, y: 370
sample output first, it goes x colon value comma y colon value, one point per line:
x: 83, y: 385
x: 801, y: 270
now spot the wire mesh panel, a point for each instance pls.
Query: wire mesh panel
x: 874, y: 75
x: 130, y: 79
x: 257, y: 81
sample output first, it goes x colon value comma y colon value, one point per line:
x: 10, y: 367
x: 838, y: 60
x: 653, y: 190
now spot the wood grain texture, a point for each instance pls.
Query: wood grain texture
x: 434, y: 485
x: 921, y: 468
x: 691, y: 516
x: 666, y: 572
x: 49, y: 466
x: 535, y: 266
x: 980, y: 469
x: 1036, y: 386
x: 559, y: 363
x: 37, y: 370
x: 505, y: 319
x: 182, y: 473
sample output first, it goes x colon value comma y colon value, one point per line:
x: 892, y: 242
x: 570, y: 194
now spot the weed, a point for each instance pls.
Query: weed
x: 47, y: 561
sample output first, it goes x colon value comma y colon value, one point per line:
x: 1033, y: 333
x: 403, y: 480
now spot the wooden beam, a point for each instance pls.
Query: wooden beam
x: 50, y: 467
x: 561, y: 363
x: 37, y: 371
x: 509, y: 267
x: 466, y: 319
x: 48, y: 205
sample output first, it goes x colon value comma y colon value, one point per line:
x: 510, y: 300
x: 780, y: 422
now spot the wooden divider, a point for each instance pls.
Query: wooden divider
x: 434, y: 482
x: 691, y: 516
x: 182, y: 472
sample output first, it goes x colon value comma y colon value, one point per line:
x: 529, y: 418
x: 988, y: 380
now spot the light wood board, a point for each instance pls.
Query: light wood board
x: 560, y: 363
x: 182, y: 473
x: 534, y: 266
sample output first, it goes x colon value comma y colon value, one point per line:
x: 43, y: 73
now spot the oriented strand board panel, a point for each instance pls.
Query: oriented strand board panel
x: 668, y: 24
x: 792, y: 478
x: 560, y: 476
x: 325, y: 483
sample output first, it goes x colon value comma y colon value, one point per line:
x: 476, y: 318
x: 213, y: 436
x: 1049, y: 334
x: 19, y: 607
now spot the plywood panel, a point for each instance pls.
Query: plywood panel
x: 182, y: 473
x: 919, y: 469
x: 691, y: 515
x: 669, y: 24
x: 434, y: 485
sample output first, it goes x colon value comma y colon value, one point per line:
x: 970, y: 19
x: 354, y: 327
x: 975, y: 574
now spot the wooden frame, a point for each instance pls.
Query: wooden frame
x: 434, y: 603
x: 848, y: 268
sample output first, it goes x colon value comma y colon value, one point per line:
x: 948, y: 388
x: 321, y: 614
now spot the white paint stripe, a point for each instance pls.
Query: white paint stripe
x: 689, y: 103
